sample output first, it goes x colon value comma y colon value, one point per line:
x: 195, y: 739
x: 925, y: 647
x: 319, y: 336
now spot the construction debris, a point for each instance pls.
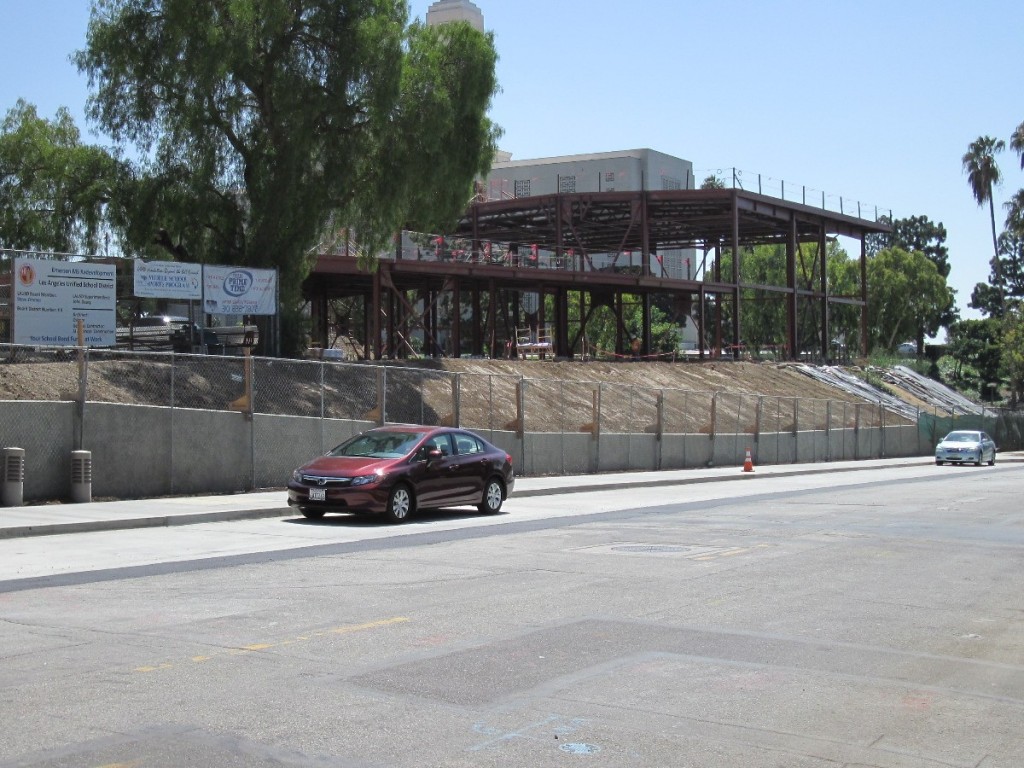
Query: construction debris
x: 929, y: 391
x: 842, y: 379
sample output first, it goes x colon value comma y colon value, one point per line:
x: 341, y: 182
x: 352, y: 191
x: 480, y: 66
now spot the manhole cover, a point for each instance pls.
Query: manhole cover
x: 649, y: 548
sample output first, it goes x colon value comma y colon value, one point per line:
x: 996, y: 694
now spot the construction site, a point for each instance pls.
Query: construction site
x: 502, y: 282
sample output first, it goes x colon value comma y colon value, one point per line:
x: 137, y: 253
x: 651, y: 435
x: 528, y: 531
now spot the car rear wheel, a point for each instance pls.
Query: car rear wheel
x: 401, y: 504
x: 493, y: 495
x: 312, y: 514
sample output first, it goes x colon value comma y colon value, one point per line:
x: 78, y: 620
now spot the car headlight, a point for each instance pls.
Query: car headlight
x: 367, y: 479
x: 297, y: 476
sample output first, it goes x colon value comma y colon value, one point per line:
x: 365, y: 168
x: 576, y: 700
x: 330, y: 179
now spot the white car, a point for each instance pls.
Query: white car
x: 966, y: 446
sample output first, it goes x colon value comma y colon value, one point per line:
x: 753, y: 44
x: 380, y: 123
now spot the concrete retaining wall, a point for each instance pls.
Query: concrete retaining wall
x: 140, y: 451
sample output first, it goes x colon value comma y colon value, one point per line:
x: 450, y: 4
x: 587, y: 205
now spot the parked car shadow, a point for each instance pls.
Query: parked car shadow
x: 355, y: 520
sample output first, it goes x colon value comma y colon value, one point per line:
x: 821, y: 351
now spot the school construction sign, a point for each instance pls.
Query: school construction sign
x: 54, y: 300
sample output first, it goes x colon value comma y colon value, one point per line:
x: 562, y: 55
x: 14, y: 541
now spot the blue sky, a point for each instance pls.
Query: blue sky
x: 874, y: 100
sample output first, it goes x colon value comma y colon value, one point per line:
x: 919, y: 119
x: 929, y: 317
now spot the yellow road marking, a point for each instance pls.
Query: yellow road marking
x: 252, y: 648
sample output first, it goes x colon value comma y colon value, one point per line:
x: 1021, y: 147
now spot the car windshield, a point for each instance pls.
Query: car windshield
x: 962, y: 437
x: 378, y: 445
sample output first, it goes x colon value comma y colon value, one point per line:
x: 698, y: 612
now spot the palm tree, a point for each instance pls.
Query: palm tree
x: 1017, y: 143
x: 1015, y: 212
x: 983, y: 174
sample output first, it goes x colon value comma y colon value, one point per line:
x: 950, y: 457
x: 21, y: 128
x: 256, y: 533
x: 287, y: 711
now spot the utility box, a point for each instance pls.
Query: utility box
x: 81, y: 476
x: 12, y: 489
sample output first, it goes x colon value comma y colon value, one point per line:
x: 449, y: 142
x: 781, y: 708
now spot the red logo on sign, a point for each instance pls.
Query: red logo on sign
x: 26, y: 275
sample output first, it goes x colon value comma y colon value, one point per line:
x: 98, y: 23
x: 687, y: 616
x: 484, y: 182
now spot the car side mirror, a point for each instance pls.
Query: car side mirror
x: 434, y: 454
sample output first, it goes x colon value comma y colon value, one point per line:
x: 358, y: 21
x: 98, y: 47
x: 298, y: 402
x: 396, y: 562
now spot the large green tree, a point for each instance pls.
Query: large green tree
x: 983, y: 175
x: 1012, y: 353
x: 53, y: 188
x: 914, y: 233
x: 920, y: 234
x: 976, y: 346
x: 263, y: 124
x: 906, y: 294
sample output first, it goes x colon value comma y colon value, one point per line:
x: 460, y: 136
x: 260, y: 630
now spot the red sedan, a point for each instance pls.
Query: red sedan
x: 398, y: 469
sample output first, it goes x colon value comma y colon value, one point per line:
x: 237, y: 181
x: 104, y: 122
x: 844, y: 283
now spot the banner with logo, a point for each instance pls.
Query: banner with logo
x: 50, y: 297
x: 168, y: 280
x: 239, y: 291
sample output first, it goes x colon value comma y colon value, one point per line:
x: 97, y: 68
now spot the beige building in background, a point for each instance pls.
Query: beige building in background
x: 444, y: 11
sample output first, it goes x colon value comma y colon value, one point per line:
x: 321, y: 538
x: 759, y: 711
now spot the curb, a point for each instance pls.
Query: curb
x: 129, y: 523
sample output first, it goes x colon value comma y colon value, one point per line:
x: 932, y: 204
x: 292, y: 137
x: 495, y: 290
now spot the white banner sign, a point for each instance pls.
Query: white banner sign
x: 168, y: 280
x: 239, y: 291
x: 50, y: 297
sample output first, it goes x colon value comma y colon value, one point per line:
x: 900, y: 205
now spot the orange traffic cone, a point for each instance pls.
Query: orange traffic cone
x: 748, y: 463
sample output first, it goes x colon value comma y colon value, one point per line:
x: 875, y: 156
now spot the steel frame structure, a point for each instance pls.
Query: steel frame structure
x: 570, y: 229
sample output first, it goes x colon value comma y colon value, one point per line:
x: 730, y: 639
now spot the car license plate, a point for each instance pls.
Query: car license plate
x: 317, y: 494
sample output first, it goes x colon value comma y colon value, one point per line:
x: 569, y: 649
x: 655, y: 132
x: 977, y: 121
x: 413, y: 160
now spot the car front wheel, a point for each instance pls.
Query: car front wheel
x: 493, y: 494
x: 938, y: 462
x: 311, y: 514
x: 400, y: 504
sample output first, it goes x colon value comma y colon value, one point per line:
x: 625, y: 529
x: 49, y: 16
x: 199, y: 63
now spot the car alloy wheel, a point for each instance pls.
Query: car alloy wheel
x: 493, y: 493
x: 400, y: 504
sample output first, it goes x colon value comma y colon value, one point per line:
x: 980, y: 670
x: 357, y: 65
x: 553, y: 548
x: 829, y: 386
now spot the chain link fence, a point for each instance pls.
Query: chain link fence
x: 254, y: 419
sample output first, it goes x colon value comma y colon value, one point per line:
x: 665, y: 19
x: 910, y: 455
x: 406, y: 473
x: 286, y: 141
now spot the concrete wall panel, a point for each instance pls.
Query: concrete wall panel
x: 45, y: 430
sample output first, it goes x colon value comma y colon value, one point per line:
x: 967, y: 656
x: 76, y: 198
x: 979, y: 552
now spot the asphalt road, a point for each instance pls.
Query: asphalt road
x: 868, y: 618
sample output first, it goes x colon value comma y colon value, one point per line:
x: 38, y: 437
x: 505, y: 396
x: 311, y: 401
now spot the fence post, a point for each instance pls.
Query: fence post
x: 629, y: 427
x: 561, y: 422
x: 881, y: 426
x: 174, y: 366
x: 738, y: 449
x: 714, y: 427
x: 758, y: 415
x: 83, y: 388
x: 828, y: 430
x: 457, y: 400
x: 521, y: 419
x: 490, y: 403
x: 382, y: 395
x: 686, y: 402
x: 251, y: 415
x: 856, y: 431
x: 845, y: 420
x: 659, y: 427
x: 796, y: 430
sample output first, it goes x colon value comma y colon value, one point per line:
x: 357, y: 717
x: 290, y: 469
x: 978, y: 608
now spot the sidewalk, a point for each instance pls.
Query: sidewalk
x: 50, y: 519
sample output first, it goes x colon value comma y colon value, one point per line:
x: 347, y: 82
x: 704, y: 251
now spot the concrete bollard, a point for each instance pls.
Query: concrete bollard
x: 81, y: 476
x: 12, y: 490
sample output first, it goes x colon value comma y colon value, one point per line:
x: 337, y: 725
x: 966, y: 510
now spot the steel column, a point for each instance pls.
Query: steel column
x: 863, y: 297
x: 736, y: 338
x: 792, y: 298
x: 826, y: 337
